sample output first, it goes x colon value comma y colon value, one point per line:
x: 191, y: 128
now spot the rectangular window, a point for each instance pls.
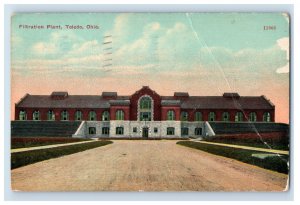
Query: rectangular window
x: 92, y: 130
x: 119, y: 130
x: 105, y: 130
x: 155, y: 130
x: 134, y: 129
x: 184, y: 131
x: 198, y: 131
x: 145, y: 116
x: 170, y: 130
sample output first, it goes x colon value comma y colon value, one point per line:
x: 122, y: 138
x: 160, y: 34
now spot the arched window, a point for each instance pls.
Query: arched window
x: 36, y: 115
x: 120, y: 115
x: 64, y: 115
x: 211, y: 116
x: 22, y: 115
x: 238, y: 117
x: 145, y: 103
x: 92, y: 116
x: 105, y: 116
x: 184, y: 116
x: 198, y: 116
x: 267, y: 117
x: 225, y: 116
x: 50, y: 115
x: 145, y: 109
x: 171, y: 115
x: 252, y: 117
x: 78, y: 115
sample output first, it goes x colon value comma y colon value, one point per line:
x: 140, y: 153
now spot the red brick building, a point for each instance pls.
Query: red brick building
x: 144, y: 109
x: 61, y: 106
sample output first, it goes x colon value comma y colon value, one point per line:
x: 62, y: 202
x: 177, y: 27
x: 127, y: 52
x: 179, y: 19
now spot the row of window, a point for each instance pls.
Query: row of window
x: 64, y: 115
x: 225, y: 116
x: 146, y: 116
x: 105, y: 130
x: 170, y: 130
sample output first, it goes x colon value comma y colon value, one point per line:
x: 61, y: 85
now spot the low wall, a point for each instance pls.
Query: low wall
x: 274, y: 136
x: 248, y: 127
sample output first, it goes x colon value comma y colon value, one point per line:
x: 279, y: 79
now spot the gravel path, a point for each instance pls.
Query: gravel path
x: 145, y: 166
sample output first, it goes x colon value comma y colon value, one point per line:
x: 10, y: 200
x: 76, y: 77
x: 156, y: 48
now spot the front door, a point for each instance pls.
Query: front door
x: 145, y: 132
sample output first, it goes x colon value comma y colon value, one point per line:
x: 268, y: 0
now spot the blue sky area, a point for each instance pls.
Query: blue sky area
x: 203, y: 53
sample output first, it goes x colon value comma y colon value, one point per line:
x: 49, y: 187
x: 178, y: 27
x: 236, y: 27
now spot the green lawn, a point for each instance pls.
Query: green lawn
x: 20, y: 159
x: 274, y: 163
x: 23, y: 142
x: 283, y: 145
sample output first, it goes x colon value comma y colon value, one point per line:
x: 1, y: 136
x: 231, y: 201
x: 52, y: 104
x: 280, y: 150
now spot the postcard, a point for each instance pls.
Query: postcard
x: 150, y: 102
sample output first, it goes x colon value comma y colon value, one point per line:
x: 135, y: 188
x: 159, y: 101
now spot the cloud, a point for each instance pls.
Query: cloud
x: 66, y: 64
x: 140, y: 51
x: 178, y: 43
x: 120, y: 23
x: 284, y: 69
x: 85, y: 49
x: 120, y: 31
x: 165, y: 48
x: 58, y: 44
x: 284, y: 45
x: 42, y: 48
x: 125, y: 71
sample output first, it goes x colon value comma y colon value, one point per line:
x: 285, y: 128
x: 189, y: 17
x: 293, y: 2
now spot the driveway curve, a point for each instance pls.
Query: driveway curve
x: 137, y: 165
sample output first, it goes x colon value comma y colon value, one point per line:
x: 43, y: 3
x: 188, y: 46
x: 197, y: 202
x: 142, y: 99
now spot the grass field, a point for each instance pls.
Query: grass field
x: 22, y: 142
x: 261, y: 143
x: 274, y: 163
x: 20, y: 159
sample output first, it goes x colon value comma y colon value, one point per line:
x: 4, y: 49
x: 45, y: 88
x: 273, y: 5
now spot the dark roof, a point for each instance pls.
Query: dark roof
x: 72, y: 101
x: 219, y: 102
x: 229, y: 101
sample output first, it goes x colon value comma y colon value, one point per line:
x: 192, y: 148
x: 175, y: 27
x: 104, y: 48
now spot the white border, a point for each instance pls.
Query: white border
x: 142, y: 8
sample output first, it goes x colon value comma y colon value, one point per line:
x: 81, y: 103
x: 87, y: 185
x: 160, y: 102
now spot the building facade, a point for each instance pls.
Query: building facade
x: 145, y: 113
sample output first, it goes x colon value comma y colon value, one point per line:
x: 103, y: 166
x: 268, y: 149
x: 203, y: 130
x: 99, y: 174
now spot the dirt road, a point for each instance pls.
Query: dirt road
x: 145, y: 166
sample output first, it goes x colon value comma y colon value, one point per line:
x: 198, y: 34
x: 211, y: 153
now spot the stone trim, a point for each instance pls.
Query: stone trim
x: 152, y: 107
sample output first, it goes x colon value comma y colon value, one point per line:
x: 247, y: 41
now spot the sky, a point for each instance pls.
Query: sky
x: 200, y: 53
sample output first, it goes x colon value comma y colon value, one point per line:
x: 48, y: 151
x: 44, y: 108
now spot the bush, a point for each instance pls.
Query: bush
x: 275, y: 163
x: 20, y: 159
